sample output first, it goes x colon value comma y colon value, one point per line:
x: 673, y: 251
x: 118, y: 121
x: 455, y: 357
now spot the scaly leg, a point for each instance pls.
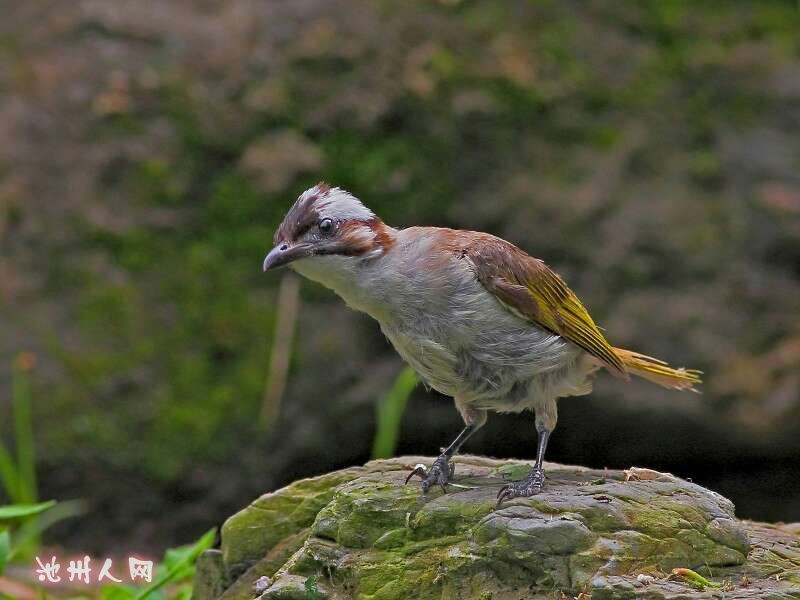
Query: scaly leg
x: 442, y: 469
x: 534, y: 482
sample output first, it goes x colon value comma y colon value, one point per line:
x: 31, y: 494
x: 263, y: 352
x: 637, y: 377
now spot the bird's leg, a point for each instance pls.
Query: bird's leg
x: 534, y: 480
x: 442, y: 469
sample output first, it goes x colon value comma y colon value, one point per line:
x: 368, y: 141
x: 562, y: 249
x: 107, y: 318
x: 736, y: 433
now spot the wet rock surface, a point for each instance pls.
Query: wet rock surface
x: 361, y: 533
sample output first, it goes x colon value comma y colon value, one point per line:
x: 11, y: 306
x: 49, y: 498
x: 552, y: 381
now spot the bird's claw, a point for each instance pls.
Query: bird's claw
x: 530, y: 486
x: 420, y: 470
x: 440, y: 473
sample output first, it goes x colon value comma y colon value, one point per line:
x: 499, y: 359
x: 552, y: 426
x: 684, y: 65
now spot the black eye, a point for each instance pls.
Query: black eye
x: 326, y: 226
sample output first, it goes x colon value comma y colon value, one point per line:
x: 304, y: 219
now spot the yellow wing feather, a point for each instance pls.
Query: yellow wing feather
x: 563, y: 313
x: 528, y: 287
x: 659, y: 372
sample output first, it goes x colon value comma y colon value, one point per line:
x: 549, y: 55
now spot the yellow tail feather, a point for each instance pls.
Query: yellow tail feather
x: 658, y: 371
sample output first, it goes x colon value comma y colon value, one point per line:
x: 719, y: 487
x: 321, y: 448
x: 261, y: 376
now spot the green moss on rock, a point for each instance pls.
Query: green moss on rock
x: 361, y: 533
x: 250, y: 533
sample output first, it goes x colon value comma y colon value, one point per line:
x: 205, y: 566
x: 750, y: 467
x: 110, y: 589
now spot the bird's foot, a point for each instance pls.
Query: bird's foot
x: 440, y: 473
x: 530, y: 486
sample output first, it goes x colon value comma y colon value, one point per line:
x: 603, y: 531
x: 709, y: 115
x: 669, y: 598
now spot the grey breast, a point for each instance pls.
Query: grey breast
x: 457, y: 335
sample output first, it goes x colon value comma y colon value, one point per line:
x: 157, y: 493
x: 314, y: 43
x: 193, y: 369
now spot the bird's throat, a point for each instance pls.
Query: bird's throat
x: 354, y: 279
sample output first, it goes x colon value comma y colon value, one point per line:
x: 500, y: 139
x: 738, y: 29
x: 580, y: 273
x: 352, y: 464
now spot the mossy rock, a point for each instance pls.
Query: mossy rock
x: 361, y: 533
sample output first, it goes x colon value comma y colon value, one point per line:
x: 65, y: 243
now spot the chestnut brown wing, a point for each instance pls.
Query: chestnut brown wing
x: 530, y: 289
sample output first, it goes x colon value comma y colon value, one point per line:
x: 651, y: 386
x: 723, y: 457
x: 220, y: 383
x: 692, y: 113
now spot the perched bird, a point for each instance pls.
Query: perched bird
x: 476, y: 317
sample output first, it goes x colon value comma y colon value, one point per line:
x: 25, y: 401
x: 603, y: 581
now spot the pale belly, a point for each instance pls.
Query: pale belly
x: 509, y: 367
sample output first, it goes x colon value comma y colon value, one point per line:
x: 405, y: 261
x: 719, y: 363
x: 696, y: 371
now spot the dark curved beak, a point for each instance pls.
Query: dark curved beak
x: 284, y: 253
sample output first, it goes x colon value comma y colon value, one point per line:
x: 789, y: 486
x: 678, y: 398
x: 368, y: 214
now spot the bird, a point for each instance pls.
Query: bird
x: 475, y: 316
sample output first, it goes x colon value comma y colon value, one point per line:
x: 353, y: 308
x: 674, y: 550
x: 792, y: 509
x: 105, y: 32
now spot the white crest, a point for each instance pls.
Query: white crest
x: 337, y: 203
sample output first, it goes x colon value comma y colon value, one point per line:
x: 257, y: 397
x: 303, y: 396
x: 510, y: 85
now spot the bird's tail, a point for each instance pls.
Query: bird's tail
x: 658, y: 371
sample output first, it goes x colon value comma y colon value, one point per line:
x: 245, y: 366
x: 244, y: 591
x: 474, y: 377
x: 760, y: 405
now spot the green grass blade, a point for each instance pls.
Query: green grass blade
x: 26, y: 538
x: 8, y: 474
x: 23, y: 434
x: 5, y: 549
x: 20, y: 511
x: 189, y: 557
x: 117, y: 592
x: 390, y: 414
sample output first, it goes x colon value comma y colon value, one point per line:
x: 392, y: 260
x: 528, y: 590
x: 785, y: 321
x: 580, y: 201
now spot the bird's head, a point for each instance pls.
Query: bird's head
x: 327, y: 222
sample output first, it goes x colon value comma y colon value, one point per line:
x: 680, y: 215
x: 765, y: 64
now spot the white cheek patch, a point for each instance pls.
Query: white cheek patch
x: 362, y: 235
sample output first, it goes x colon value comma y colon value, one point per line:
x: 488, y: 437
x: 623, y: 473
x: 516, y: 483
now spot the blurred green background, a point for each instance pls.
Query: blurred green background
x: 649, y: 151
